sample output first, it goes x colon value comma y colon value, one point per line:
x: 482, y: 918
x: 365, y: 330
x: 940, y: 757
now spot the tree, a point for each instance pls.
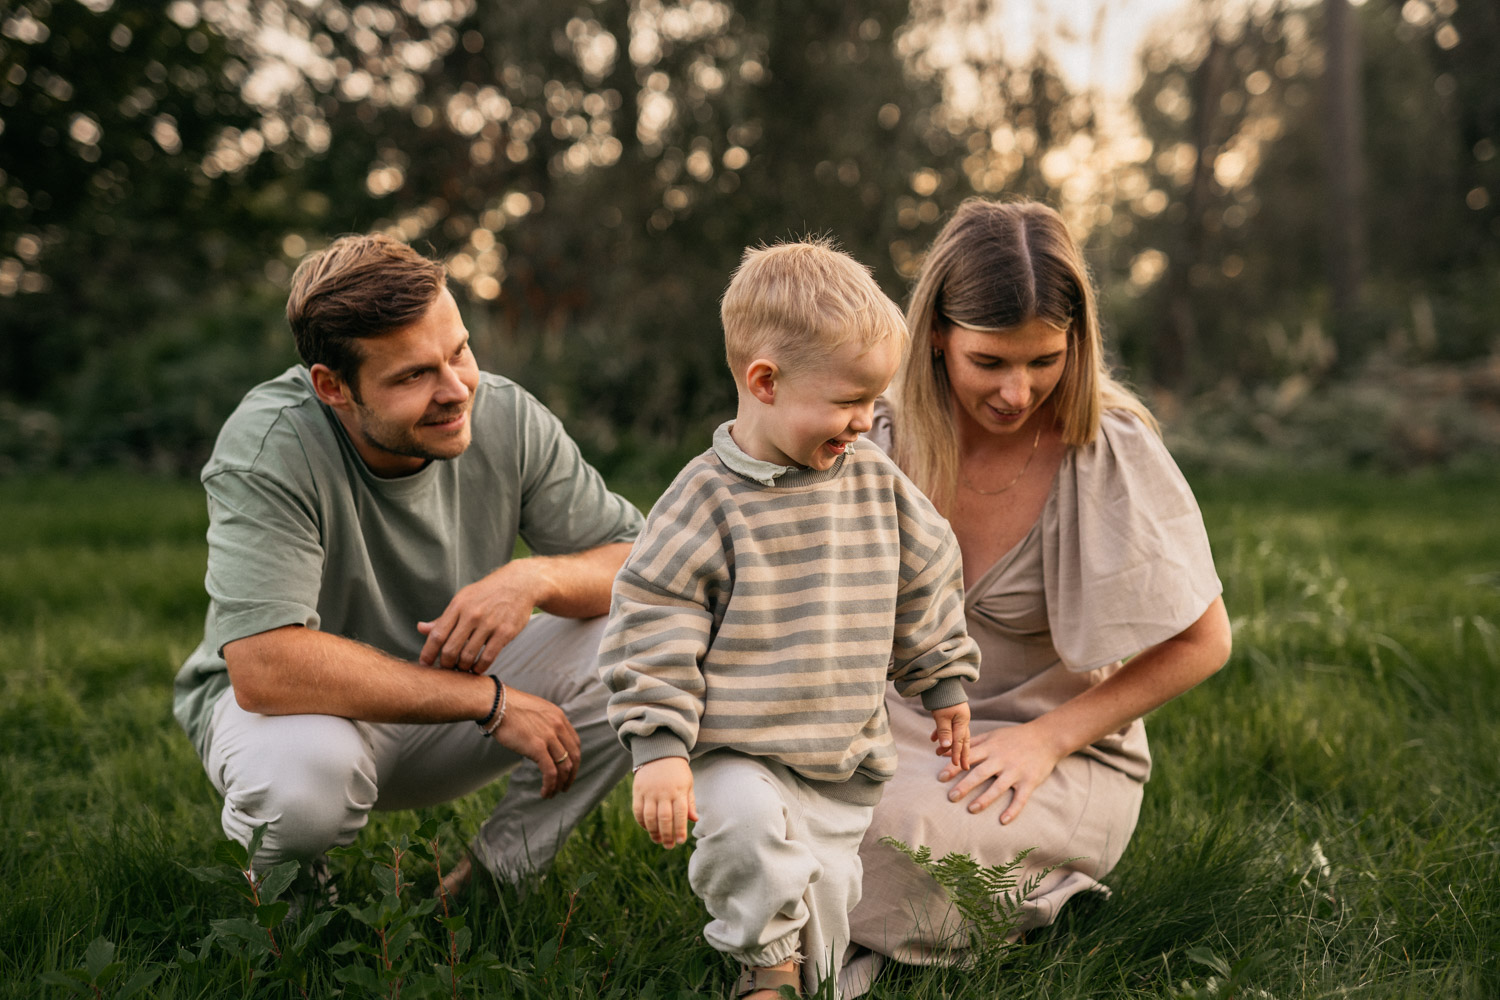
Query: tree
x: 1344, y: 165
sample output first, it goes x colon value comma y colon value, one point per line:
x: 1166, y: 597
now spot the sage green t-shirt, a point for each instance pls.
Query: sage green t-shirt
x: 301, y: 532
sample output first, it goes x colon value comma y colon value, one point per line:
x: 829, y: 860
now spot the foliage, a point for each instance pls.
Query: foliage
x: 99, y: 971
x: 1219, y: 249
x: 988, y: 897
x: 1326, y: 800
x: 1233, y: 981
x: 591, y: 173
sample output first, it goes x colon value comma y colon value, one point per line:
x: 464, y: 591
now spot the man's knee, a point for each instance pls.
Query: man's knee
x: 311, y: 781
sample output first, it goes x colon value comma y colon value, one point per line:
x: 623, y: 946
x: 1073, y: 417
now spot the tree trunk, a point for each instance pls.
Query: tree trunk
x: 1176, y: 354
x: 1343, y: 111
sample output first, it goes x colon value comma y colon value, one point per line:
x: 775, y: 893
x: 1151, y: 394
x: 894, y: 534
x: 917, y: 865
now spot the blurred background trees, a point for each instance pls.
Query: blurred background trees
x: 1292, y: 201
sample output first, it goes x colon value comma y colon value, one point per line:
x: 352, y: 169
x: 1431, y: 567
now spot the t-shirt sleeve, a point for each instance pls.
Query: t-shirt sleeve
x: 265, y: 556
x: 1125, y: 555
x: 565, y: 506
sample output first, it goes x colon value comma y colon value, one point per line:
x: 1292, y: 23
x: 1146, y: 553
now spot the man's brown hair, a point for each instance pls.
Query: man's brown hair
x: 357, y: 287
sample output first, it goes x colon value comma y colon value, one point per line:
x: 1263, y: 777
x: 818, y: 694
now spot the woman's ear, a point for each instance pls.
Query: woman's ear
x: 761, y: 378
x: 939, y: 337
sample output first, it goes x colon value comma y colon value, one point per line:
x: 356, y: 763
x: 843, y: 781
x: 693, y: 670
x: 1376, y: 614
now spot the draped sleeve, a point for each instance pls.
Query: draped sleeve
x: 1125, y: 555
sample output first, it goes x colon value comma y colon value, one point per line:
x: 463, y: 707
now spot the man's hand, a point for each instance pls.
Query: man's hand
x: 479, y: 621
x: 663, y: 801
x: 537, y: 730
x: 952, y: 734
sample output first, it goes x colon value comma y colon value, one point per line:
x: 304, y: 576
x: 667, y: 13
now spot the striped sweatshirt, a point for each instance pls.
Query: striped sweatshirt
x: 766, y: 617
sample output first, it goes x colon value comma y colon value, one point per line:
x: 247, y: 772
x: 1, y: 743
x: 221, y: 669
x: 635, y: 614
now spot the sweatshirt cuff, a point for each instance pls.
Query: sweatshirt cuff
x: 944, y: 694
x: 662, y: 743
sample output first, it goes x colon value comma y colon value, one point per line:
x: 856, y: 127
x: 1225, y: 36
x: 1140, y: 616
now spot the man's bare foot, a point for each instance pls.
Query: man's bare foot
x: 457, y: 878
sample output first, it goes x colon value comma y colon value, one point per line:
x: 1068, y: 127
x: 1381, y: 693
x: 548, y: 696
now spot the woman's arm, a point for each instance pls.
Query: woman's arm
x: 1019, y: 758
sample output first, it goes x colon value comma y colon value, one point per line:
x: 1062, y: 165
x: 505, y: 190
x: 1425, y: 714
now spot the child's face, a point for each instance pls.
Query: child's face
x: 818, y: 412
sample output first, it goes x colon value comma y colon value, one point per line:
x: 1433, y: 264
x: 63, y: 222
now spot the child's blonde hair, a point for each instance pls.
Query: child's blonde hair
x: 794, y: 302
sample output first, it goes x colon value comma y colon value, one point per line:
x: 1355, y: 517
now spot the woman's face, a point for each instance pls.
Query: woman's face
x: 1000, y: 378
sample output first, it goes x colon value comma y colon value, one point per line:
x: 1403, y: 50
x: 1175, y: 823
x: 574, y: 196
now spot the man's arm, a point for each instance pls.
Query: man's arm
x: 490, y: 612
x: 295, y: 670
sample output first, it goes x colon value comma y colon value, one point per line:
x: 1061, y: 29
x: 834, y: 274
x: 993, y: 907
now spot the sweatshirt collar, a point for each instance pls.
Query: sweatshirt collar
x: 753, y: 469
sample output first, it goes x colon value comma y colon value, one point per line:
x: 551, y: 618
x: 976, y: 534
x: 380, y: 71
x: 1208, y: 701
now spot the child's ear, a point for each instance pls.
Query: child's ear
x: 761, y: 379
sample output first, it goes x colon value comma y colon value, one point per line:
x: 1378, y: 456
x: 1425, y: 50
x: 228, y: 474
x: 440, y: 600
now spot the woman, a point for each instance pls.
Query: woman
x: 1082, y: 546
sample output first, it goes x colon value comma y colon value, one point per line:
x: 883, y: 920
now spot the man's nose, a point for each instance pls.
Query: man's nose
x: 451, y: 388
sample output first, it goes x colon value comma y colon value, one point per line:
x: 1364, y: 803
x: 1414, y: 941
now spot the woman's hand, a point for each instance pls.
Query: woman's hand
x: 1009, y: 759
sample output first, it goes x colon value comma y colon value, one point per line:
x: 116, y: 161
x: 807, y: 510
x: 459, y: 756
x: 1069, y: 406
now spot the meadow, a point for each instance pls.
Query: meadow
x: 1323, y: 820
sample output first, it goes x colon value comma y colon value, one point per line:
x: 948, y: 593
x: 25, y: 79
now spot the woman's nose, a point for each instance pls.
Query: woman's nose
x: 1015, y: 390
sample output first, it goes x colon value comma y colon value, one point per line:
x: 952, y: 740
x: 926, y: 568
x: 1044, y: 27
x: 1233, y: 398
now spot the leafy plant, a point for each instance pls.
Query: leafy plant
x: 253, y: 941
x: 989, y: 898
x: 1230, y: 981
x: 99, y: 971
x: 391, y: 942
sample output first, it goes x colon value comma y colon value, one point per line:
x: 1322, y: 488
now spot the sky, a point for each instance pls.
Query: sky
x: 1095, y: 42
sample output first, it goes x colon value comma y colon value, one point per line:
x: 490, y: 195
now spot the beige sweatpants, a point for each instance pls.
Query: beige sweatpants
x: 315, y: 778
x: 776, y: 863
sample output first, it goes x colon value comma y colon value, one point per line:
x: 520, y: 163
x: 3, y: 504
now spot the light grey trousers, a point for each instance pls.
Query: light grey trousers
x: 314, y: 778
x: 776, y: 863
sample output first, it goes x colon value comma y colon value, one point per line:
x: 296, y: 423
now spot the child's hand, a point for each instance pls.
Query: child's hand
x: 663, y: 801
x: 952, y: 733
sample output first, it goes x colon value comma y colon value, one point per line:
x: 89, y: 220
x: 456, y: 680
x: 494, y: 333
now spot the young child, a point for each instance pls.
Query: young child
x: 782, y: 578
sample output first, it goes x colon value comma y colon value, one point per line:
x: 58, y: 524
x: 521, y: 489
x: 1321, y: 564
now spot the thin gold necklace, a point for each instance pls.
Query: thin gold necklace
x: 1026, y: 465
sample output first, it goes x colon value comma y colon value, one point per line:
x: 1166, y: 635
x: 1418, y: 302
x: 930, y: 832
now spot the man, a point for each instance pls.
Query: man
x: 364, y: 605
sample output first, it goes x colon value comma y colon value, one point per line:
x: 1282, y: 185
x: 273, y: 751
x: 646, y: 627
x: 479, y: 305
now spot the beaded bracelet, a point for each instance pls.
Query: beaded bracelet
x: 491, y: 722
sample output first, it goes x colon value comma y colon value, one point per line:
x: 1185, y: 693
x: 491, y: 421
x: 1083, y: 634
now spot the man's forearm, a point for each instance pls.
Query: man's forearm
x: 296, y: 670
x: 576, y: 585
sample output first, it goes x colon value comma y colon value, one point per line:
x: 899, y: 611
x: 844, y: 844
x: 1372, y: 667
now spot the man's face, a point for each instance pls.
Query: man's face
x: 416, y: 389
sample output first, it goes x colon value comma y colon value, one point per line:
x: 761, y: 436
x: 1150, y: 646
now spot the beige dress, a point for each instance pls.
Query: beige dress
x: 1118, y: 561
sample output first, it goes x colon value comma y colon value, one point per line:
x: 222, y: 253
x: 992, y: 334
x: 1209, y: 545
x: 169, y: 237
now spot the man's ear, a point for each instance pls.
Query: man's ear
x: 331, y: 388
x: 760, y: 378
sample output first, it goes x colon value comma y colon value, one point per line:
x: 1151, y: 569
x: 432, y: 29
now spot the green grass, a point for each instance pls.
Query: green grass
x: 1325, y: 809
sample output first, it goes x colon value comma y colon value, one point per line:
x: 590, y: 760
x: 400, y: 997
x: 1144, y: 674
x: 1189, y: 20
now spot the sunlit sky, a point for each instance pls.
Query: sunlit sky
x: 1095, y: 42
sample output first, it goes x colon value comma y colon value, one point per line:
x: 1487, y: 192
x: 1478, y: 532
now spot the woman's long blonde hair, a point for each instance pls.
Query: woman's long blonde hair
x: 996, y: 265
